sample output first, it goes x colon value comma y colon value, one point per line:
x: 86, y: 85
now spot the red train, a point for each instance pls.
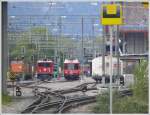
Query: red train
x: 45, y: 69
x: 71, y: 69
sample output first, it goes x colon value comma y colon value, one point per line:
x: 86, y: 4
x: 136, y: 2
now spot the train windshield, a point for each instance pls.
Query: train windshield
x: 44, y: 64
x: 72, y: 66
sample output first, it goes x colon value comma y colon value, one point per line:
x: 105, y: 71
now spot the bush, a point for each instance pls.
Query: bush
x: 138, y: 103
x: 129, y: 105
x: 102, y: 105
x: 120, y: 105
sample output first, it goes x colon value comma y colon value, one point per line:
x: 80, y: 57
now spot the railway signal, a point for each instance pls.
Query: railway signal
x: 32, y: 58
x: 23, y: 50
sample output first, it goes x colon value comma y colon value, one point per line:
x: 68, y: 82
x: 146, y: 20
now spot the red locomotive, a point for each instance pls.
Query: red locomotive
x: 71, y: 69
x: 45, y: 69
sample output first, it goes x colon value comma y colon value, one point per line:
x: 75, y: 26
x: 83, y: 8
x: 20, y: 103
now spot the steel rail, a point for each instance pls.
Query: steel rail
x: 42, y: 102
x: 73, y: 90
x: 62, y: 105
x: 64, y: 102
x: 76, y: 104
x: 32, y: 106
x: 57, y: 103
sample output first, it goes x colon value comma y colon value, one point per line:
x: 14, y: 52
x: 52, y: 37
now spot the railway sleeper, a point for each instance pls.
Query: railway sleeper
x: 34, y: 104
x: 57, y: 103
x: 42, y: 102
x: 72, y: 105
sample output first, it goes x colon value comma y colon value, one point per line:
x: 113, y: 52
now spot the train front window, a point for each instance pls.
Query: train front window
x: 44, y: 64
x: 71, y: 66
x: 76, y: 66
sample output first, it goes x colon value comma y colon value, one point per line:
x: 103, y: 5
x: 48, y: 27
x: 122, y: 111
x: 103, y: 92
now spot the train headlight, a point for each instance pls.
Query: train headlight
x: 44, y: 69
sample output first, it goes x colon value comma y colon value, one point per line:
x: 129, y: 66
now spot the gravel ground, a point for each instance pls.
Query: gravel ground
x: 66, y: 85
x: 20, y: 103
x: 86, y: 109
x: 17, y: 105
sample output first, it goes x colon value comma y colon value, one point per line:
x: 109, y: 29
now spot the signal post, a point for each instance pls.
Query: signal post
x: 111, y: 15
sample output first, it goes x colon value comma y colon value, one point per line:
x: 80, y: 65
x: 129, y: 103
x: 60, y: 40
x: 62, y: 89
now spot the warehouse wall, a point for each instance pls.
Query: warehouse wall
x: 136, y: 43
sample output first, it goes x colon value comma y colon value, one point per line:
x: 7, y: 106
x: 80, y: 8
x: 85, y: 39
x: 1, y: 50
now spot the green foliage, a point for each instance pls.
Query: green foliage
x: 138, y: 103
x: 38, y: 42
x: 129, y: 105
x: 31, y: 47
x: 141, y: 81
x: 39, y: 30
x: 102, y: 105
x: 6, y: 99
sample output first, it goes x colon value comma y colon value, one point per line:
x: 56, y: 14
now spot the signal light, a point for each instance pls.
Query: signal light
x: 22, y: 57
x: 32, y: 57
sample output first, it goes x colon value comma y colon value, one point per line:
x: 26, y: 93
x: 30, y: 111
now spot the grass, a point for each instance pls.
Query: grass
x: 124, y: 105
x: 6, y: 99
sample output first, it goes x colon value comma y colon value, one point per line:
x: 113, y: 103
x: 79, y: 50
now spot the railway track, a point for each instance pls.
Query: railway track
x: 26, y: 84
x: 63, y: 103
x: 60, y: 105
x: 31, y: 84
x: 44, y: 99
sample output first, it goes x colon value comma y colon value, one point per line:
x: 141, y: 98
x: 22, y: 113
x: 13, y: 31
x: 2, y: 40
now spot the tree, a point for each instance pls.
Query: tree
x: 30, y: 42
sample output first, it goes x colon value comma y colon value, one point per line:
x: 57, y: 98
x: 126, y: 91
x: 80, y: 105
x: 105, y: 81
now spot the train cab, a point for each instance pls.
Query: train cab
x: 71, y: 69
x: 45, y: 69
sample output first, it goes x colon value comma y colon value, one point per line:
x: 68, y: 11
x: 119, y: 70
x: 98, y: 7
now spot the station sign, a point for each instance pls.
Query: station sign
x: 145, y: 4
x: 111, y: 14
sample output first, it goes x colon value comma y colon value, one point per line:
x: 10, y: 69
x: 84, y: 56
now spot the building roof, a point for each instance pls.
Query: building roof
x: 71, y: 61
x: 133, y: 56
x: 44, y: 61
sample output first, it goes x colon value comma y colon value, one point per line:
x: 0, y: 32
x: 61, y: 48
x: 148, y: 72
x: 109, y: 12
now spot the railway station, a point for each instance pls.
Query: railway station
x: 80, y: 57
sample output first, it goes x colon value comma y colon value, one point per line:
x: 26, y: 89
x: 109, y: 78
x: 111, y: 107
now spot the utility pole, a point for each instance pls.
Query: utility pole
x: 55, y: 52
x: 30, y: 31
x: 58, y: 40
x: 46, y: 29
x: 82, y: 41
x: 118, y: 62
x: 82, y: 50
x: 111, y: 67
x: 103, y: 52
x: 93, y: 38
x: 37, y: 45
x: 4, y: 47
